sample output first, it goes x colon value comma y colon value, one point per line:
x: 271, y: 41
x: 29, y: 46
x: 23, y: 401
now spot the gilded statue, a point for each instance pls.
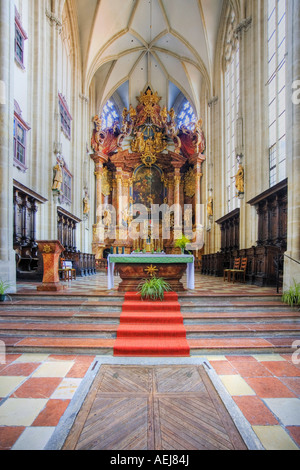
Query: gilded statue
x: 164, y: 115
x: 148, y: 108
x: 199, y: 139
x: 210, y: 211
x: 126, y: 126
x: 98, y: 135
x: 107, y: 219
x: 171, y: 125
x: 86, y: 204
x: 239, y: 179
x: 58, y: 178
x: 159, y: 144
x: 138, y: 145
x: 132, y: 113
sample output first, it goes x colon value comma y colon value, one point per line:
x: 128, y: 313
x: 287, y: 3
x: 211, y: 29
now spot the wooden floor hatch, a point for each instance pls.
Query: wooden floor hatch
x: 153, y: 408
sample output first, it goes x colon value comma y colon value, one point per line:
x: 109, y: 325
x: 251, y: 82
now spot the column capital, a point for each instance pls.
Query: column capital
x: 99, y: 158
x: 197, y: 161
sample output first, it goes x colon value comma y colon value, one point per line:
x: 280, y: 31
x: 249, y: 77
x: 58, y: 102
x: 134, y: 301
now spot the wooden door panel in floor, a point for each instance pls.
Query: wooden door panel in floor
x: 153, y: 408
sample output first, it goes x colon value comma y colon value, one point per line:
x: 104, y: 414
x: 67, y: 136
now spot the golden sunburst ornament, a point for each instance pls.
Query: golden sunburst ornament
x: 151, y: 270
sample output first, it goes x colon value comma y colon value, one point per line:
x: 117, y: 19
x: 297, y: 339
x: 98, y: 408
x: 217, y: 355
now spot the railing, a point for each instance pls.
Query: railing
x: 292, y: 259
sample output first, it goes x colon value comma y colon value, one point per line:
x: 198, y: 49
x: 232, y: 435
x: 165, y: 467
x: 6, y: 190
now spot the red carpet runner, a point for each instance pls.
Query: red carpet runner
x: 151, y: 329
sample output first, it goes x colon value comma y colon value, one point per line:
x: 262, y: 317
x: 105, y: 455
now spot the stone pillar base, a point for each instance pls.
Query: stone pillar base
x: 50, y: 287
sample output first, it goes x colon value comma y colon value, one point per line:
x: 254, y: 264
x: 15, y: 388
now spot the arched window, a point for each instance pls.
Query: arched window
x: 109, y: 115
x: 277, y: 90
x: 186, y: 116
x: 232, y: 100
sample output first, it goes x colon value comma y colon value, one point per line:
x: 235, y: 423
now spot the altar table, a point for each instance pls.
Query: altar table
x: 135, y: 267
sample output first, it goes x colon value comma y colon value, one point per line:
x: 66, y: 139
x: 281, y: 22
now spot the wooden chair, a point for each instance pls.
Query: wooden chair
x: 236, y: 265
x: 240, y: 272
x: 67, y: 271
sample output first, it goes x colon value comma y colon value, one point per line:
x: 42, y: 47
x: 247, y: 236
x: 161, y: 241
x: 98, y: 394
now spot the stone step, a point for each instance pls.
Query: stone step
x: 86, y: 330
x: 78, y: 315
x: 80, y: 324
x: 247, y: 316
x: 233, y: 306
x: 101, y: 346
x: 58, y: 316
x: 61, y: 306
x: 93, y: 330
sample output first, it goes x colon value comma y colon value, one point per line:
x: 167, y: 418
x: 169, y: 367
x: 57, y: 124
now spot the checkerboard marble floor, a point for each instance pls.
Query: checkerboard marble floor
x: 36, y: 390
x: 207, y: 285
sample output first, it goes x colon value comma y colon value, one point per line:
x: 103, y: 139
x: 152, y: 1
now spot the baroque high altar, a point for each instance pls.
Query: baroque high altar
x: 146, y: 160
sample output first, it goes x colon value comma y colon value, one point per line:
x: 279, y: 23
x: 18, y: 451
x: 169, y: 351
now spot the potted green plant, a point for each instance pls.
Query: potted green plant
x: 182, y: 242
x: 292, y: 295
x: 153, y: 288
x: 4, y: 286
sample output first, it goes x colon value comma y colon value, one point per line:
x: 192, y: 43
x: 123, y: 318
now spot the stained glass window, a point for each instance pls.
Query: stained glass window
x: 186, y: 116
x: 109, y: 115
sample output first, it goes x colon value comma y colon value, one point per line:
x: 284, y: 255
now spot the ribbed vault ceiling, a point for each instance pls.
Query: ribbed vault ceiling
x: 127, y: 45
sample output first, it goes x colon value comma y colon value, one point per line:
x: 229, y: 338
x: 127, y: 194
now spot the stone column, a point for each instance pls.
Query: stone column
x: 197, y: 162
x: 291, y: 268
x: 98, y: 231
x: 7, y: 255
x: 119, y: 207
x: 177, y: 212
x: 170, y: 186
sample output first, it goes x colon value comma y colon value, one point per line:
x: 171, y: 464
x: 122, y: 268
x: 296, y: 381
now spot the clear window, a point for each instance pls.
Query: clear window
x: 65, y: 117
x: 20, y: 135
x: 20, y: 37
x: 232, y: 98
x: 277, y: 89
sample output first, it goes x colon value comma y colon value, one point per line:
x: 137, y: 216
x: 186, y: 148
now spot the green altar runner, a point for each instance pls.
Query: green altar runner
x: 133, y: 268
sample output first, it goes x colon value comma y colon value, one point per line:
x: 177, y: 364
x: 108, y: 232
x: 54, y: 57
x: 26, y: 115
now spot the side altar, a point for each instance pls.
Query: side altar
x: 133, y: 268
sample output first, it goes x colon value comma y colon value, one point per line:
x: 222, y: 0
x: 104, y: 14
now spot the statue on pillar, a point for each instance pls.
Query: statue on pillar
x: 86, y: 204
x: 58, y: 178
x: 239, y: 180
x: 210, y: 211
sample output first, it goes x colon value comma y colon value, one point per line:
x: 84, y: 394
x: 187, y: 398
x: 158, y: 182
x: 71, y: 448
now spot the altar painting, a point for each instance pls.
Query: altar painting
x: 148, y: 187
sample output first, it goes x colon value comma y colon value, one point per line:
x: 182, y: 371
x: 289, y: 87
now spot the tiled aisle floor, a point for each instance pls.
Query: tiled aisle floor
x: 35, y: 391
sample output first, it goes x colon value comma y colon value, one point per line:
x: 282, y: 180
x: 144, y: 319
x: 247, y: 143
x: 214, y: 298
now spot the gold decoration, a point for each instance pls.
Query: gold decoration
x: 149, y: 99
x: 190, y: 183
x: 106, y: 182
x: 149, y: 157
x: 47, y: 249
x: 151, y: 270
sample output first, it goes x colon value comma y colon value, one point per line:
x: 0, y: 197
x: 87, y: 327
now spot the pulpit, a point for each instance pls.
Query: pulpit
x: 50, y: 251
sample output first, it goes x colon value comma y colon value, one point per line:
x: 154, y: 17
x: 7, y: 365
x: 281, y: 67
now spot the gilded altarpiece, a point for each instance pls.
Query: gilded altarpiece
x: 147, y: 160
